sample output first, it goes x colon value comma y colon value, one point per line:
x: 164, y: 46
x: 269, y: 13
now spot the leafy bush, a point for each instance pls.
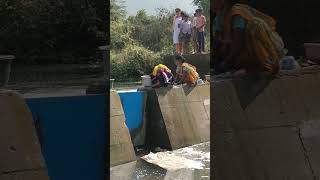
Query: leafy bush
x: 42, y: 31
x: 133, y: 62
x: 140, y: 42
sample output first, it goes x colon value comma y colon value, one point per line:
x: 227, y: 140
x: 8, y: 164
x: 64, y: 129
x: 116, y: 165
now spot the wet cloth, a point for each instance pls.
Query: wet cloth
x: 163, y: 79
x: 176, y: 29
x: 162, y: 76
x: 189, y: 72
x: 263, y: 45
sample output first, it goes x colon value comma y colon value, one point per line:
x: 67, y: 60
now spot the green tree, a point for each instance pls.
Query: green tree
x: 205, y: 5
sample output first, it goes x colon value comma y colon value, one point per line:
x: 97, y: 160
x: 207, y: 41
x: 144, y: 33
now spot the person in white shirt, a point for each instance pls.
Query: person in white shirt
x: 186, y: 33
x: 194, y: 33
x: 177, y: 20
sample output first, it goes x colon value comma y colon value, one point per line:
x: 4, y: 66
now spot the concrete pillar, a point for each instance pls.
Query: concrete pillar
x: 121, y: 148
x: 20, y: 151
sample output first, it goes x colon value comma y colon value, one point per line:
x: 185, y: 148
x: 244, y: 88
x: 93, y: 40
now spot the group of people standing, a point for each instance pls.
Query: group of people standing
x: 185, y: 31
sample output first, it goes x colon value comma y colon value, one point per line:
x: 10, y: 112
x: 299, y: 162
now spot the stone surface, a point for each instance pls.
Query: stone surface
x: 274, y: 153
x: 26, y: 175
x: 310, y: 135
x: 226, y: 106
x: 19, y: 145
x: 228, y: 161
x: 123, y: 172
x: 267, y: 128
x: 121, y: 147
x: 185, y: 114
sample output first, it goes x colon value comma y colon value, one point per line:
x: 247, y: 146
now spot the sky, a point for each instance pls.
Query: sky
x: 150, y: 6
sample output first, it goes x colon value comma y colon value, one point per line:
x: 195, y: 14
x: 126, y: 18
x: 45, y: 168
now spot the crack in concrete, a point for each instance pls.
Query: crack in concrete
x: 306, y: 155
x: 22, y: 170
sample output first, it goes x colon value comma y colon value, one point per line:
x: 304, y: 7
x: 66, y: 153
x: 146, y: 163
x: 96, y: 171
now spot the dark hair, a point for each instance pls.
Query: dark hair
x: 199, y: 10
x: 184, y: 14
x: 194, y: 14
x: 178, y: 10
x: 233, y: 2
x: 180, y: 58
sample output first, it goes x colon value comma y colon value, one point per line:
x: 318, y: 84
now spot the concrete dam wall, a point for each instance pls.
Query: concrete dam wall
x: 175, y: 118
x: 184, y: 113
x: 267, y: 129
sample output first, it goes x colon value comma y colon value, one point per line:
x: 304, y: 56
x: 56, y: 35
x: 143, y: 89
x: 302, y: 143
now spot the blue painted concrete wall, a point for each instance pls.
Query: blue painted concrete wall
x: 133, y: 107
x: 74, y: 135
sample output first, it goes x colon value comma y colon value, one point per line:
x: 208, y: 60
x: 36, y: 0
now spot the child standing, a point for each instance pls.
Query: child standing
x: 201, y: 19
x: 176, y: 30
x: 186, y: 32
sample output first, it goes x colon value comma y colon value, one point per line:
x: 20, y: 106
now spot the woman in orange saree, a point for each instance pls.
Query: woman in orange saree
x: 186, y: 73
x: 247, y: 39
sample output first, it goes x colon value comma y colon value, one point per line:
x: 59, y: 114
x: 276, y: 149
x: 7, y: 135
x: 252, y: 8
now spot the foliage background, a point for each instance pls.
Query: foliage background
x: 139, y: 42
x: 52, y: 31
x: 69, y: 31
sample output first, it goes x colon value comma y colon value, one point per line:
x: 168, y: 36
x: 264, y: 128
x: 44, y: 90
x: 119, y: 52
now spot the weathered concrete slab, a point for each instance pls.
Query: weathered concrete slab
x: 19, y: 146
x: 274, y: 153
x: 185, y: 114
x: 121, y: 147
x: 26, y: 175
x: 310, y: 135
x: 229, y: 160
x: 309, y: 85
x: 272, y: 128
x: 123, y: 172
x: 226, y: 106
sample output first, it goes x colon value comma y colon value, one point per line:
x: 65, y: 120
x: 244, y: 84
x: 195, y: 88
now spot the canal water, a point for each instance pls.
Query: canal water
x: 189, y: 163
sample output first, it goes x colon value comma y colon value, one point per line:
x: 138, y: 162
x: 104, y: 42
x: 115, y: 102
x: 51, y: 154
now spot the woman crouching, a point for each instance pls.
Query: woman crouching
x: 161, y: 76
x: 186, y: 73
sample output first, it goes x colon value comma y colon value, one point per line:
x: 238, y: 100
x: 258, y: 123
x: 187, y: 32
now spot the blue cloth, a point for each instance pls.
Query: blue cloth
x: 237, y: 22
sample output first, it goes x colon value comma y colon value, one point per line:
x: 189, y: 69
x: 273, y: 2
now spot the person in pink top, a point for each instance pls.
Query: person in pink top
x: 201, y: 22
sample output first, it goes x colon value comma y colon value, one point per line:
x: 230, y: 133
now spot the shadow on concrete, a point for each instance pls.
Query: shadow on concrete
x: 188, y: 89
x: 248, y: 88
x: 156, y: 134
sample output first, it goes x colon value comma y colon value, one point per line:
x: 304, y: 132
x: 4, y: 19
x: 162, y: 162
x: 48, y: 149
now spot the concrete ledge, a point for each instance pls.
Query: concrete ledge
x: 267, y: 128
x: 20, y: 150
x: 121, y: 148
